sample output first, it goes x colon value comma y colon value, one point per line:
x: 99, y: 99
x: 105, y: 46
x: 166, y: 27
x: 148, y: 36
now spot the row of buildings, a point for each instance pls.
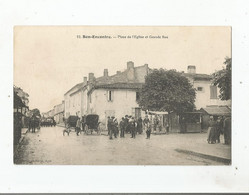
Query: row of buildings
x: 117, y: 95
x: 20, y: 112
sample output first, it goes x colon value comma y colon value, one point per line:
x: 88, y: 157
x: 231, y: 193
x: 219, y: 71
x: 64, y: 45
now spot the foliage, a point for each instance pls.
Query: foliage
x: 36, y: 112
x: 167, y: 91
x: 222, y: 79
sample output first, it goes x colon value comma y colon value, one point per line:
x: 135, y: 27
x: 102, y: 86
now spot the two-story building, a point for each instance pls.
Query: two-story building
x: 59, y: 113
x: 73, y: 100
x: 117, y: 95
x: 206, y: 93
x: 114, y: 95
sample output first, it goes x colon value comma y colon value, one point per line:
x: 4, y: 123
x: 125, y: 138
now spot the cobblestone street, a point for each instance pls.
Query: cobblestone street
x: 49, y: 146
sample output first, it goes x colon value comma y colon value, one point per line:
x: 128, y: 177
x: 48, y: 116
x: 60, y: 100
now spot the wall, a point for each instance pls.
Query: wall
x: 59, y: 118
x: 122, y: 104
x: 75, y: 101
x: 72, y: 103
x: 203, y: 97
x: 84, y: 102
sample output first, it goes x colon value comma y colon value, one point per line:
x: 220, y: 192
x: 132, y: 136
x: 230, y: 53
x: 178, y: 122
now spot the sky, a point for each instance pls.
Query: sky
x: 49, y: 60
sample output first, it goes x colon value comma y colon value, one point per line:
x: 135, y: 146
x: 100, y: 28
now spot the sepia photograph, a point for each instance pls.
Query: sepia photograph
x: 122, y: 95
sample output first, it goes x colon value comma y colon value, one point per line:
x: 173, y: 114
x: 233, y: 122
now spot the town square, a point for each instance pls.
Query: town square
x: 127, y: 113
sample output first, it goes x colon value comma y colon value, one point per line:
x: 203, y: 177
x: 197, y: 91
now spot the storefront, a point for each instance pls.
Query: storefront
x: 191, y: 122
x: 161, y: 118
x: 214, y: 111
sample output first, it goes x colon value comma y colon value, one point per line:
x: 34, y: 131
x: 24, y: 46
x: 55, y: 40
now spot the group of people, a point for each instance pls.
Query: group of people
x: 33, y: 123
x: 128, y: 124
x: 217, y: 127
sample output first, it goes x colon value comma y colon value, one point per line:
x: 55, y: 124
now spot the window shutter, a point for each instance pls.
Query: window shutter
x: 107, y: 96
x: 112, y: 95
x: 213, y: 92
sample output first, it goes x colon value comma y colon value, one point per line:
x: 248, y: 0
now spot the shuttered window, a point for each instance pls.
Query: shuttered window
x: 110, y: 96
x: 213, y: 92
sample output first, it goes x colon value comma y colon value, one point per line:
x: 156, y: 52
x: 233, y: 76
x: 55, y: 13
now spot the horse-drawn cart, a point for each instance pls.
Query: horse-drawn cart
x: 91, y: 123
x: 70, y: 124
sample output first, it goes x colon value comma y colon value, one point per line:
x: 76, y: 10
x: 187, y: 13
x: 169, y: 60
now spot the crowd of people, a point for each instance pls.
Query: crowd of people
x: 131, y: 126
x: 218, y: 126
x: 33, y: 124
x: 128, y: 124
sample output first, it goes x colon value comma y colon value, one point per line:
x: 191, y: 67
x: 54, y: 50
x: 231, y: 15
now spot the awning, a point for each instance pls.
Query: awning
x: 157, y: 112
x: 217, y: 110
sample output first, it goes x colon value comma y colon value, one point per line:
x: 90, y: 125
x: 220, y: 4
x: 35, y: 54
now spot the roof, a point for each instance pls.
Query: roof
x: 198, y: 76
x: 79, y: 85
x: 217, y: 110
x: 121, y: 80
x: 122, y: 77
x: 120, y: 86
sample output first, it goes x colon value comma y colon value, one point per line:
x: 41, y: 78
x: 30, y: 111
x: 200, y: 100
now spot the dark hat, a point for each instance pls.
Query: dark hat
x: 126, y: 115
x: 113, y: 117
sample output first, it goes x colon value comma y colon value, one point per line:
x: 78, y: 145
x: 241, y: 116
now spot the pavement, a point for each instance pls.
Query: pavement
x: 49, y: 146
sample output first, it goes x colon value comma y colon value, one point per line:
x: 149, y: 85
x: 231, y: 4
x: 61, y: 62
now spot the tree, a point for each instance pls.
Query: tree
x: 167, y: 91
x: 222, y: 79
x: 36, y: 112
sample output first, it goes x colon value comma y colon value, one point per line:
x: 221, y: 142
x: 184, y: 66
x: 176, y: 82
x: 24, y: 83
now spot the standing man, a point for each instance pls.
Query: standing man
x: 132, y: 127
x: 140, y: 125
x: 111, y: 127
x: 147, y: 126
x: 122, y: 127
x: 227, y: 130
x: 183, y: 125
x: 29, y: 124
x: 78, y: 125
x: 167, y: 128
x: 109, y: 121
x: 115, y: 127
x: 33, y: 123
x: 126, y: 123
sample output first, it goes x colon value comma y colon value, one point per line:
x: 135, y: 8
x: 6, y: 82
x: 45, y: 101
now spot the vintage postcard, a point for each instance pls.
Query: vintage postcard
x: 122, y: 95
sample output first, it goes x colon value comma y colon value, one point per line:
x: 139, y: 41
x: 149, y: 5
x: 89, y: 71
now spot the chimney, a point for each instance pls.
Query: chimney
x: 118, y: 72
x: 130, y: 71
x: 130, y: 65
x: 105, y: 72
x: 85, y: 80
x: 191, y: 69
x: 90, y: 76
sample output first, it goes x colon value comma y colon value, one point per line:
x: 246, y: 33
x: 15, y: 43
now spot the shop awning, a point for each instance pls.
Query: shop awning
x: 157, y: 112
x: 217, y: 110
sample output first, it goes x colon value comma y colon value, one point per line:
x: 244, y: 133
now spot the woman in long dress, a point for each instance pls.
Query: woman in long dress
x: 211, y: 131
